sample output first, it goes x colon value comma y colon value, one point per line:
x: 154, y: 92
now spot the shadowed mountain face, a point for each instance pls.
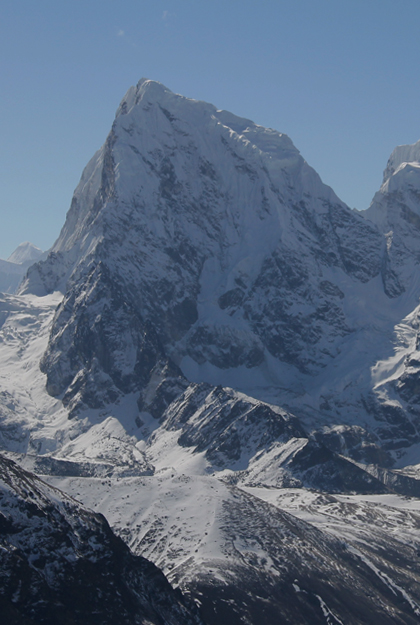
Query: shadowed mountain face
x: 60, y: 563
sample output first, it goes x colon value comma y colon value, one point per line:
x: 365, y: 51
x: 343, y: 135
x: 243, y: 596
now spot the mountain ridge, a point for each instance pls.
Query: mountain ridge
x: 60, y: 563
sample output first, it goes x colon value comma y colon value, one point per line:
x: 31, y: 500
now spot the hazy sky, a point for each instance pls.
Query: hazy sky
x: 340, y: 77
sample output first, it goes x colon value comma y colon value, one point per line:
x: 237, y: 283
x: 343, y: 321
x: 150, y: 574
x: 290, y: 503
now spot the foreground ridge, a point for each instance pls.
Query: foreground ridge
x: 61, y: 563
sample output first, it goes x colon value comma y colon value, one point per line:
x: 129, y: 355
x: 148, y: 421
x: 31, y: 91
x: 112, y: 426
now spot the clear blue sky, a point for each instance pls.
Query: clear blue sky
x: 340, y: 77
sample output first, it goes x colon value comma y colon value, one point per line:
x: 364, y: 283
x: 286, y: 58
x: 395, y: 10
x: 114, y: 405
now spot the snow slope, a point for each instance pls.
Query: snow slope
x: 246, y: 560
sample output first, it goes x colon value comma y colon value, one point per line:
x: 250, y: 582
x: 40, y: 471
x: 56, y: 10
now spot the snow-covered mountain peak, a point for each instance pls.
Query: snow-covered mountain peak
x: 216, y: 234
x: 217, y: 326
x: 146, y: 91
x: 192, y: 114
x: 201, y: 238
x: 24, y: 253
x: 406, y: 177
x: 396, y: 206
x: 402, y: 154
x: 172, y: 164
x: 402, y: 172
x: 14, y: 268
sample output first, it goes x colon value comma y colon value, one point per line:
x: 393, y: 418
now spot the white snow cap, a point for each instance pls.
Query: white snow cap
x: 153, y: 89
x: 25, y: 252
x: 402, y: 154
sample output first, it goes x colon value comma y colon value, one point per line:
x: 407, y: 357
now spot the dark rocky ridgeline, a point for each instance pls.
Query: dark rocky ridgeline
x: 61, y: 564
x: 236, y: 432
x: 230, y: 427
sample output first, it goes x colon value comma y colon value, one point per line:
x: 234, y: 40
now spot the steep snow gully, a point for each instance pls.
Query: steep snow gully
x: 222, y: 358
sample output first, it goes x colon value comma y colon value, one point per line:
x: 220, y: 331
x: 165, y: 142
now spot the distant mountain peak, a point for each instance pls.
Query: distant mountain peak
x: 24, y: 253
x: 14, y: 268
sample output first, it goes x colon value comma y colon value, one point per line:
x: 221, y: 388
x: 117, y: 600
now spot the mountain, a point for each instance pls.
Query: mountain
x: 395, y: 209
x: 14, y: 268
x: 213, y: 243
x: 221, y: 357
x: 258, y: 554
x: 60, y: 563
x: 25, y: 254
x: 11, y: 276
